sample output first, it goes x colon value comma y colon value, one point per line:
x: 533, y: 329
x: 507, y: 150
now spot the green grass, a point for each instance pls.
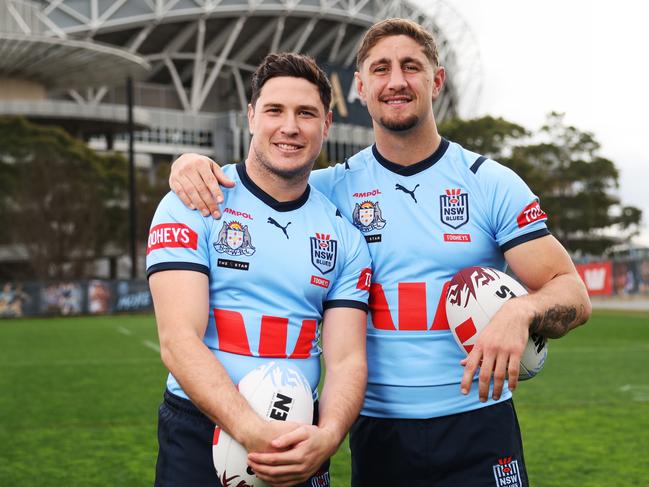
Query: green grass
x: 79, y: 399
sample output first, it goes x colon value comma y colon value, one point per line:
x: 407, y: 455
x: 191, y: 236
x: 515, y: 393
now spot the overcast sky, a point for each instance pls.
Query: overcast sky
x: 588, y: 59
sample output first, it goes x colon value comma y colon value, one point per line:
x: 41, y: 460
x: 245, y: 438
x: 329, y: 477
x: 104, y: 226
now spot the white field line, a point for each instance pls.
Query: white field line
x: 151, y: 345
x: 147, y: 343
x: 638, y: 392
x: 76, y: 363
x: 603, y: 349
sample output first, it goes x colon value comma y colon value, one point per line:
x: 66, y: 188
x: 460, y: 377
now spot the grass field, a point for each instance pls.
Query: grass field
x: 79, y: 398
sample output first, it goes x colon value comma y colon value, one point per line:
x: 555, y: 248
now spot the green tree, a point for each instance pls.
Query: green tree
x: 61, y: 202
x: 563, y: 166
x: 487, y: 135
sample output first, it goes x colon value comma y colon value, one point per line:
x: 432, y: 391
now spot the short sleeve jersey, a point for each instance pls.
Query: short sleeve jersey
x: 423, y: 223
x: 273, y: 268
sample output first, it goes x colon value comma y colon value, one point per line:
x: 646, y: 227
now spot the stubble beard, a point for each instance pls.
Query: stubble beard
x: 290, y: 175
x: 401, y: 125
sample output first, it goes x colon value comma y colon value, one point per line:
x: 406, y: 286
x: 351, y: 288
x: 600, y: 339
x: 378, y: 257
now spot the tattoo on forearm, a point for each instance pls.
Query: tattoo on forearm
x: 555, y: 322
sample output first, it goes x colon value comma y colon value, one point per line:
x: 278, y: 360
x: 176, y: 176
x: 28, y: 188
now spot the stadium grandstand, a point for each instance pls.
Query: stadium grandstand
x: 66, y: 62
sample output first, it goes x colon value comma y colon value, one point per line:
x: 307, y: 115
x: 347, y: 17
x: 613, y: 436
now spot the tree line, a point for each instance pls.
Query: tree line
x: 63, y: 205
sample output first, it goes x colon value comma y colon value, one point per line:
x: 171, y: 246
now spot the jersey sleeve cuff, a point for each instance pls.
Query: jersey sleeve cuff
x: 524, y: 238
x: 177, y: 266
x: 345, y: 303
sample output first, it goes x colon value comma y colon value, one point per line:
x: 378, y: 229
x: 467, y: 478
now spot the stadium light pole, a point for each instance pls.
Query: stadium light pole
x: 132, y: 210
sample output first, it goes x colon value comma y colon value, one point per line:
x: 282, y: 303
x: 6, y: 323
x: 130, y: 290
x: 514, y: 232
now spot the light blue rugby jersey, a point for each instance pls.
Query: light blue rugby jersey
x: 423, y: 223
x: 273, y: 269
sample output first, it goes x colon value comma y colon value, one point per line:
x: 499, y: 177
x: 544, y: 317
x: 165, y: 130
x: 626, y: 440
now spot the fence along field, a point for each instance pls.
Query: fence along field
x: 80, y: 397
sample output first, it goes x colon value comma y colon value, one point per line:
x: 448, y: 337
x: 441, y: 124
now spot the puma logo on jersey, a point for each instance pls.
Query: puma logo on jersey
x: 398, y: 187
x: 272, y: 221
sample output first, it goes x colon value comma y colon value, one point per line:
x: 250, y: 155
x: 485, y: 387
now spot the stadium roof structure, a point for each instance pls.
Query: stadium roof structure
x: 36, y: 57
x: 193, y: 43
x: 31, y: 49
x: 203, y: 52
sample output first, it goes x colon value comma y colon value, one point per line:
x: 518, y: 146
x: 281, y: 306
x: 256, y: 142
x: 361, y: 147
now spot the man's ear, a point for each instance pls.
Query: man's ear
x: 251, y: 117
x: 360, y: 87
x: 438, y: 81
x: 329, y: 118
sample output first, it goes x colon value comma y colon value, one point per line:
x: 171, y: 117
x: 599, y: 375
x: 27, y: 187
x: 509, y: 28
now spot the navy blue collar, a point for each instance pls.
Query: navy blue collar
x: 268, y: 199
x: 413, y: 168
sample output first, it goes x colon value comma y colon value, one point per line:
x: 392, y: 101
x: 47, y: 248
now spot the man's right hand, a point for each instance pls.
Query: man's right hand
x: 195, y: 179
x: 259, y: 437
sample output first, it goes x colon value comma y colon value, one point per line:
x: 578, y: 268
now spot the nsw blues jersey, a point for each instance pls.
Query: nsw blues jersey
x: 273, y: 269
x: 423, y: 223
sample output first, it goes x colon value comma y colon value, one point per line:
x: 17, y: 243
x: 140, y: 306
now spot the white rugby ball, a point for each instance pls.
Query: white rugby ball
x: 275, y: 391
x: 474, y: 296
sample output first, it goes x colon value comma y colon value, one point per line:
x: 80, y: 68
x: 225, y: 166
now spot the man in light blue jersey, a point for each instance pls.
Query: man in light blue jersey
x: 236, y: 293
x: 428, y: 208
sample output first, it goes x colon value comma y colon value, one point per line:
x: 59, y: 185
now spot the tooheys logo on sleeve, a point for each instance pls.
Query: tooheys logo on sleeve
x: 172, y: 235
x: 530, y: 214
x: 364, y: 280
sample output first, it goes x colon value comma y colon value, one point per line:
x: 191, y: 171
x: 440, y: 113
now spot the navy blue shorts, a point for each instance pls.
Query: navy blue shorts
x: 185, y: 447
x: 480, y: 448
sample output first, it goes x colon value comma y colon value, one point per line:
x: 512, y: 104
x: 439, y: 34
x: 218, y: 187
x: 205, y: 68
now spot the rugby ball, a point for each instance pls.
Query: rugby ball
x: 473, y: 297
x: 277, y: 392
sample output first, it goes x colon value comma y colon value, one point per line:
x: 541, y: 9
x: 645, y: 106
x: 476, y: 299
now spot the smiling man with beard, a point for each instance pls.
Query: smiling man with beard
x: 432, y: 417
x: 231, y: 296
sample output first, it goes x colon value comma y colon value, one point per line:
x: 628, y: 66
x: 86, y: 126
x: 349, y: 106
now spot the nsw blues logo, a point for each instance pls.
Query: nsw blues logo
x: 234, y: 239
x: 323, y: 252
x: 367, y: 216
x: 507, y: 473
x: 454, y: 208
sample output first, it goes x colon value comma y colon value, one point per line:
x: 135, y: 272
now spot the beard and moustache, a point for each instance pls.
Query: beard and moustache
x: 399, y: 125
x: 288, y: 174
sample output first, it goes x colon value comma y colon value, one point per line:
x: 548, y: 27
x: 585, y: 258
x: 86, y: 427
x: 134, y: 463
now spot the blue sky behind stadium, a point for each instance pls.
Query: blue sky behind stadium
x: 585, y: 58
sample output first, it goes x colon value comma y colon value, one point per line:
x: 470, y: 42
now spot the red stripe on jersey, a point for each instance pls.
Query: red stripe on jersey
x: 412, y: 306
x: 231, y: 332
x: 272, y: 341
x: 440, y: 322
x: 305, y: 340
x: 465, y: 330
x: 381, y: 317
x: 215, y: 438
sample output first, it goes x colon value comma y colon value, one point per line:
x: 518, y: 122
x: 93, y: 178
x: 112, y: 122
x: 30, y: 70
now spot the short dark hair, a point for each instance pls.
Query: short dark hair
x: 396, y: 27
x: 295, y: 66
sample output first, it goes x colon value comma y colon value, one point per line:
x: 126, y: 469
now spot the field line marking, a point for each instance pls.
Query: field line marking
x: 124, y: 331
x: 76, y: 363
x: 603, y: 348
x: 153, y: 346
x: 639, y: 392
